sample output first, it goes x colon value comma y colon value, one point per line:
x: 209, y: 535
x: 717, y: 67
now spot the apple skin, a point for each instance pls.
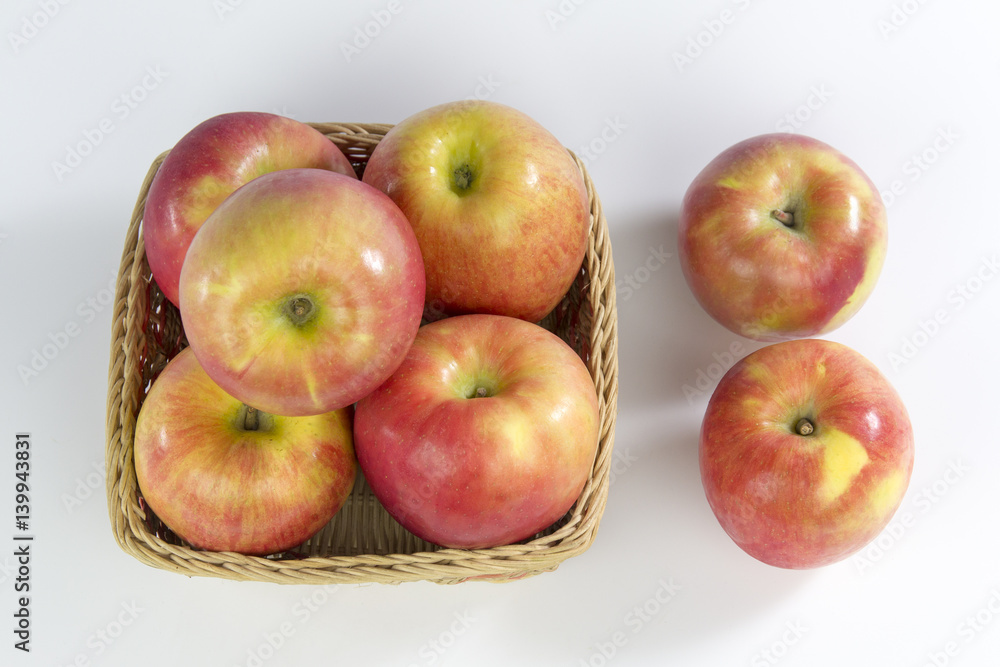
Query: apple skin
x: 292, y: 235
x: 207, y: 165
x: 222, y: 487
x: 511, y: 242
x: 805, y: 501
x: 468, y: 472
x: 768, y: 281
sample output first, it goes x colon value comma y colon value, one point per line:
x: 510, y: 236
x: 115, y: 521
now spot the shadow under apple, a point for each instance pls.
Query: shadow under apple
x: 658, y: 515
x: 665, y: 337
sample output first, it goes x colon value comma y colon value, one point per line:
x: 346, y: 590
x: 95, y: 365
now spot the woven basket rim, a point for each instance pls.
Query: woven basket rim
x: 441, y: 565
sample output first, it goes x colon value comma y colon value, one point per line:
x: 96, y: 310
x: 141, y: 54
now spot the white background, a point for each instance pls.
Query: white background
x: 907, y: 89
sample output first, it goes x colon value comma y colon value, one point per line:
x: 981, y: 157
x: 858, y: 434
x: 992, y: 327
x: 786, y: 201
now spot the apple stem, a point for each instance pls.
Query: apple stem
x: 299, y: 310
x: 804, y: 426
x: 301, y: 307
x: 463, y: 177
x: 251, y: 420
x: 787, y: 218
x: 481, y: 392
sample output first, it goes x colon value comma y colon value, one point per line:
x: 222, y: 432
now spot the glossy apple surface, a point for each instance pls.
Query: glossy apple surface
x: 498, y: 205
x: 302, y: 292
x: 484, y: 436
x: 207, y: 165
x: 782, y: 236
x: 806, y: 451
x: 226, y: 480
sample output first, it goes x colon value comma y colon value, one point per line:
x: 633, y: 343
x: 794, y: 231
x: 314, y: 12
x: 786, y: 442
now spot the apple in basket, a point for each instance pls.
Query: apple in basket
x: 225, y: 477
x: 302, y: 292
x: 485, y: 435
x: 498, y: 206
x: 782, y: 236
x: 207, y: 165
x: 806, y: 451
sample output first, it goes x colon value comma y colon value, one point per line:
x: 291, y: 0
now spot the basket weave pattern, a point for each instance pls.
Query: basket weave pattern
x: 362, y: 543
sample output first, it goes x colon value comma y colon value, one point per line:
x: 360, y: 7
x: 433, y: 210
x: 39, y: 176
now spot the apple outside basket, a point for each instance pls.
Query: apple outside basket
x: 362, y: 543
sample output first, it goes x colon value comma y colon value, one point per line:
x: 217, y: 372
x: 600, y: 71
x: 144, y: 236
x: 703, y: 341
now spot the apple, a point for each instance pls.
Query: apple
x: 805, y: 452
x: 207, y: 165
x: 484, y: 436
x: 498, y: 206
x: 225, y: 477
x: 302, y: 291
x: 781, y: 236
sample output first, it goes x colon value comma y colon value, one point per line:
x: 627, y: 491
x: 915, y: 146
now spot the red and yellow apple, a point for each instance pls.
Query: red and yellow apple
x: 782, y: 236
x: 302, y: 292
x: 806, y: 451
x: 225, y: 477
x: 498, y: 206
x: 484, y: 436
x: 207, y: 165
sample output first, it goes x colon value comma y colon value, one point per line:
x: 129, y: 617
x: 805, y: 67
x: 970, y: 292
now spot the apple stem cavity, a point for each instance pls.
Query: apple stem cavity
x: 480, y: 390
x: 804, y: 426
x: 787, y: 218
x: 463, y: 177
x: 299, y: 309
x: 251, y: 420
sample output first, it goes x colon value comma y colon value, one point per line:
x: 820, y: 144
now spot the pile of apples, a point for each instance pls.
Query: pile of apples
x: 389, y: 324
x: 386, y: 323
x: 806, y: 449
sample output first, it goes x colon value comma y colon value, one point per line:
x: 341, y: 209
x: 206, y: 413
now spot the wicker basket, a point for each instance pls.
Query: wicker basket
x: 362, y: 543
